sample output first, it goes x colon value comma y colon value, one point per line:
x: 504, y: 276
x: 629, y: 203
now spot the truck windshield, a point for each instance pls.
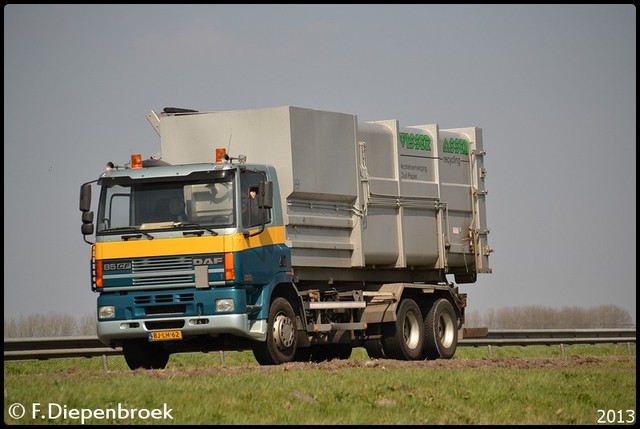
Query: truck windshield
x: 156, y: 205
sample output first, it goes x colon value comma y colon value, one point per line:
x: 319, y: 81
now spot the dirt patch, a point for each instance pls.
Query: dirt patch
x: 508, y: 362
x: 337, y: 365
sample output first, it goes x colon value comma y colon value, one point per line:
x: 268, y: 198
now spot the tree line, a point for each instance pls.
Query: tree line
x: 51, y: 324
x: 528, y: 317
x: 541, y: 317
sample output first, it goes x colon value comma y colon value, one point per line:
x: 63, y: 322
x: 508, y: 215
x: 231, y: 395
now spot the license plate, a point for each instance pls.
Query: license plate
x: 165, y: 335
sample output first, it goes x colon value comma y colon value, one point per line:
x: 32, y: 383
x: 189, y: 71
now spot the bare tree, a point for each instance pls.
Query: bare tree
x: 611, y: 316
x: 540, y: 317
x: 40, y: 325
x: 10, y: 328
x: 87, y: 325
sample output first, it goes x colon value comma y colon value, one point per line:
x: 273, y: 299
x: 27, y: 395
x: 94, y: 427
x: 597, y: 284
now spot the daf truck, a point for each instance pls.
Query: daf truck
x: 296, y: 233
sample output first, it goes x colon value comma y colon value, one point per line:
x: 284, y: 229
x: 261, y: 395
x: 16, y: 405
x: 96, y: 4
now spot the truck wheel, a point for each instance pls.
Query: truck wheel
x: 342, y: 351
x: 404, y: 339
x: 303, y: 354
x: 321, y: 353
x: 282, y: 338
x: 140, y: 353
x: 374, y: 348
x: 441, y: 331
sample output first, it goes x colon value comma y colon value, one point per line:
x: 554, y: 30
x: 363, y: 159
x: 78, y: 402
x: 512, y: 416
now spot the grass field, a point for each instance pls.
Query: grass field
x: 516, y: 385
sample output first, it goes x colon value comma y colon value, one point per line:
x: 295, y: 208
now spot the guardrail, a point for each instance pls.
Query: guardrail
x: 56, y: 347
x: 548, y: 337
x: 90, y: 346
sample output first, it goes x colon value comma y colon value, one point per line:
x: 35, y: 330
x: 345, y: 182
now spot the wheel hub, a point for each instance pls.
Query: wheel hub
x: 446, y: 330
x: 283, y: 332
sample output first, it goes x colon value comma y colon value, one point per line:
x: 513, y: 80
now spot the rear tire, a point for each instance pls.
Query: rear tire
x: 140, y: 353
x: 282, y: 338
x: 441, y: 331
x: 374, y: 348
x: 404, y: 339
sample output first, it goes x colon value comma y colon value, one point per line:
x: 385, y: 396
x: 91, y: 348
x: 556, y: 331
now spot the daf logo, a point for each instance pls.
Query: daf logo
x: 210, y: 260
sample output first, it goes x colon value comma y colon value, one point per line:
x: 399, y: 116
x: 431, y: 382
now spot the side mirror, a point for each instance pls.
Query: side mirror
x: 85, y: 197
x: 87, y: 229
x: 87, y: 217
x: 85, y: 208
x: 265, y: 195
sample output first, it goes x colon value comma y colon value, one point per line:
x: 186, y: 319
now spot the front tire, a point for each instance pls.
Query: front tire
x: 441, y: 331
x: 282, y: 338
x: 140, y: 353
x: 328, y: 352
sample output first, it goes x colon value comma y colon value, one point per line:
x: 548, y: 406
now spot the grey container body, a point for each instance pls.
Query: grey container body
x: 357, y: 198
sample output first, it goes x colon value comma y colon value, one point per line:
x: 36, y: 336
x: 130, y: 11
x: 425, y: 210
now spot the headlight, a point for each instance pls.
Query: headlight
x: 224, y: 304
x: 106, y: 312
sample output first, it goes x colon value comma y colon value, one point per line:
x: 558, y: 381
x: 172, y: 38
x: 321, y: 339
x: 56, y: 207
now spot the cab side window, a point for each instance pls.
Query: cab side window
x: 252, y: 216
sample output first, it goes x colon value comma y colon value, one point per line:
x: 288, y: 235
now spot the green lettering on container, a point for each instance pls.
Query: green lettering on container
x: 452, y: 145
x: 415, y: 141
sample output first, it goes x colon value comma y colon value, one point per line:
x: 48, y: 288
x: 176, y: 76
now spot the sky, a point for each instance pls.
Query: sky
x: 553, y: 88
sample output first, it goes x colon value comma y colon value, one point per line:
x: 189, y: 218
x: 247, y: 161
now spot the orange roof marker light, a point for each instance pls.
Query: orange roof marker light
x: 136, y: 161
x: 220, y: 154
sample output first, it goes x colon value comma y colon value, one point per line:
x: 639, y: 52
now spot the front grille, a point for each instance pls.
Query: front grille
x: 159, y: 272
x: 164, y: 298
x: 162, y: 271
x: 162, y: 264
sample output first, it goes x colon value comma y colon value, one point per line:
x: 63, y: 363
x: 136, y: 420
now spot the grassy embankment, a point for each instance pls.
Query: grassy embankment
x: 199, y: 388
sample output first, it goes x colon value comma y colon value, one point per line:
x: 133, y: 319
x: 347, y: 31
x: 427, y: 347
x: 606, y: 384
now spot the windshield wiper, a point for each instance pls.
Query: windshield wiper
x: 138, y: 232
x: 194, y: 225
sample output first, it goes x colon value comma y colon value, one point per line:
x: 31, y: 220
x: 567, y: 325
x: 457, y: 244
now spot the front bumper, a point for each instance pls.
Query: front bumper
x: 110, y: 331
